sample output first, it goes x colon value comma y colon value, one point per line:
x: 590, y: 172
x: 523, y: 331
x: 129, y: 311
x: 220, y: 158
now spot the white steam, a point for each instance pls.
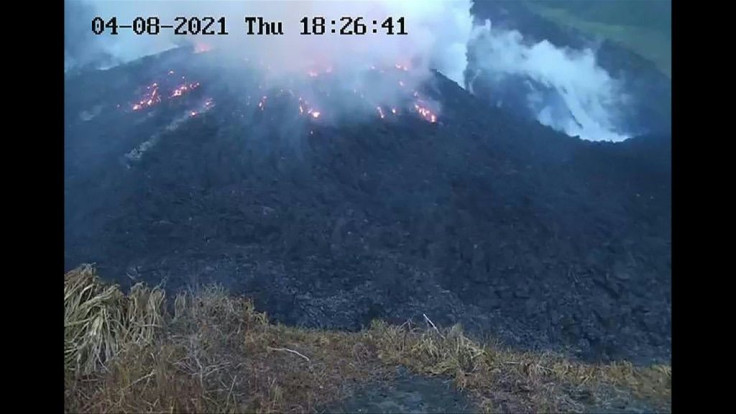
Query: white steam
x: 569, y: 92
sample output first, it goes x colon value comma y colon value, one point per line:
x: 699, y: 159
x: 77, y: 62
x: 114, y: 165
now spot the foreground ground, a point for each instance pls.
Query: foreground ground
x: 207, y: 351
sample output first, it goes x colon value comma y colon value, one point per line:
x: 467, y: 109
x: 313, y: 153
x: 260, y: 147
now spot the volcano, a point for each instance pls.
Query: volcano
x: 435, y: 204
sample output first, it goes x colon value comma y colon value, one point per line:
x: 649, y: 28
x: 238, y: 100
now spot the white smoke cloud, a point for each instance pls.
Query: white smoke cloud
x: 573, y: 94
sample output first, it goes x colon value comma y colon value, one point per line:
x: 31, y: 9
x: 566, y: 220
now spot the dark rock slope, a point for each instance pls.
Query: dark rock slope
x: 516, y: 231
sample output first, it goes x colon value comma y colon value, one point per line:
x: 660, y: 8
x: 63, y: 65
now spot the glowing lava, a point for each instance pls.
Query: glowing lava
x: 149, y: 98
x: 325, y: 102
x: 304, y: 107
x: 426, y: 113
x: 201, y: 47
x: 181, y: 90
x: 156, y: 93
x: 204, y: 107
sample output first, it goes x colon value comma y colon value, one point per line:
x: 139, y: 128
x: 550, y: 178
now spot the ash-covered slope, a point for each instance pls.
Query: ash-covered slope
x: 480, y: 217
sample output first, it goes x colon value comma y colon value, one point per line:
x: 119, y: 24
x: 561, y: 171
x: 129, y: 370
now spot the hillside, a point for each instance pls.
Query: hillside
x: 484, y: 218
x: 645, y: 27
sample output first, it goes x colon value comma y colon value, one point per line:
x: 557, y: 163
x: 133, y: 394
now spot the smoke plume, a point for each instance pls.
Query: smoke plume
x: 563, y: 88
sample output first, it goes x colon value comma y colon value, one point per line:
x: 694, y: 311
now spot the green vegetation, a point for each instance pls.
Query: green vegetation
x: 643, y: 26
x: 211, y: 352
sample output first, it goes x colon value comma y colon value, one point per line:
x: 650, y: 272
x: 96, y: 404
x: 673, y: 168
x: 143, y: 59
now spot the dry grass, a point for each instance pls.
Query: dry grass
x: 99, y: 320
x: 504, y: 380
x: 125, y: 353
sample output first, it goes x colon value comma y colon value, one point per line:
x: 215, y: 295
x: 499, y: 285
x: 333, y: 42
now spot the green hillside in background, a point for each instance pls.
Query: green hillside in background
x: 643, y: 26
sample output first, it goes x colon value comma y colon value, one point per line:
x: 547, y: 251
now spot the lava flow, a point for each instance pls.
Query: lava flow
x: 181, y: 90
x: 153, y: 94
x: 150, y: 98
x: 321, y: 86
x: 426, y: 113
x: 406, y: 98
